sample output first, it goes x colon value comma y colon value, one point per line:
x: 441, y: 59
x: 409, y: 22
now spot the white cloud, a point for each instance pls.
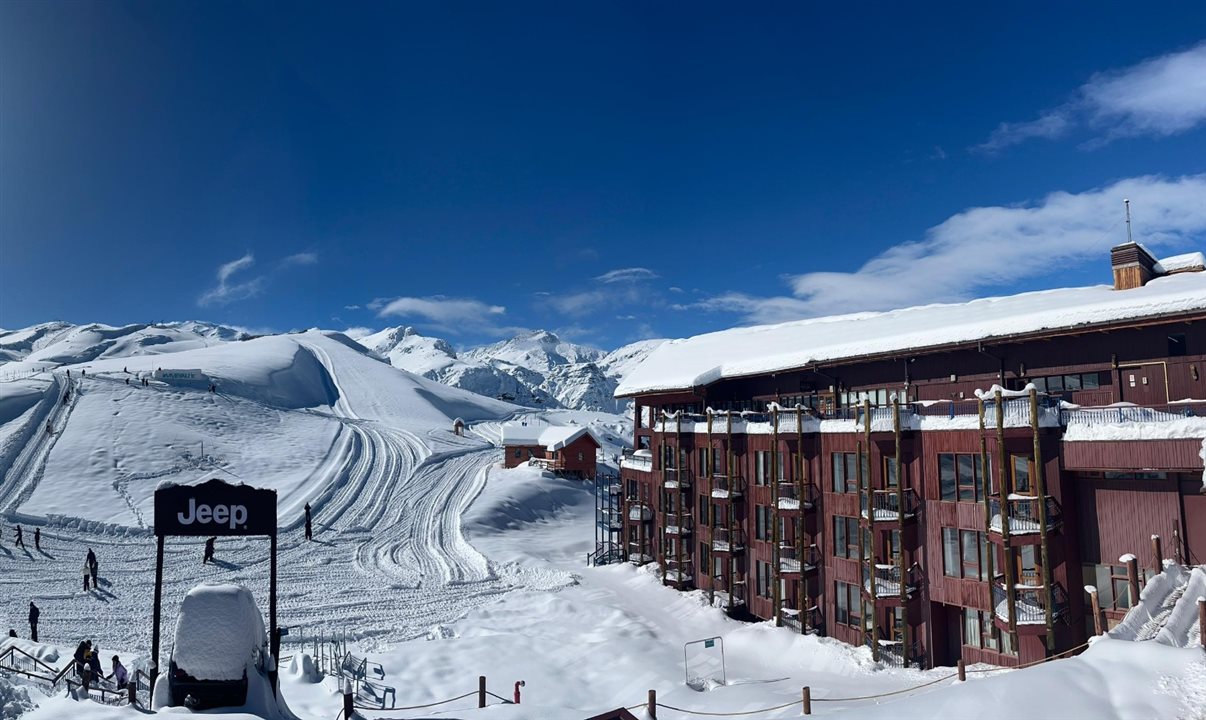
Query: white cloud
x: 305, y: 258
x: 225, y: 291
x: 992, y: 247
x: 1160, y: 96
x: 351, y: 307
x: 358, y: 332
x: 452, y: 315
x: 633, y: 274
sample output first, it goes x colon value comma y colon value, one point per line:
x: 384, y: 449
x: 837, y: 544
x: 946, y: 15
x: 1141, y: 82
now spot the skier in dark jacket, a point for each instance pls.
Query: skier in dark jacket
x: 34, y: 612
x: 209, y: 550
x: 20, y: 539
x: 38, y: 539
x: 309, y: 527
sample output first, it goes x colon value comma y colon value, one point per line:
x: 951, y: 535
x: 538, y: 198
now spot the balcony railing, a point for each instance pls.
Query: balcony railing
x: 725, y: 540
x: 679, y: 523
x: 790, y: 498
x: 811, y: 620
x: 640, y: 513
x: 792, y: 563
x: 888, y: 579
x: 1030, y: 602
x: 614, y: 519
x: 725, y: 487
x: 1023, y: 514
x: 677, y: 479
x: 641, y: 460
x: 677, y: 572
x: 892, y: 652
x: 1117, y: 414
x: 886, y: 505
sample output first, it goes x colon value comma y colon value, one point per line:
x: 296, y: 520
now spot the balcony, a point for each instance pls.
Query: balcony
x: 640, y: 512
x: 676, y: 479
x: 725, y: 540
x: 725, y: 487
x: 640, y: 460
x: 886, y: 505
x: 892, y: 652
x: 888, y: 581
x: 811, y: 620
x: 1120, y: 414
x: 679, y: 524
x: 1024, y: 515
x: 790, y: 499
x: 1030, y: 604
x: 679, y: 573
x: 791, y: 563
x: 614, y: 520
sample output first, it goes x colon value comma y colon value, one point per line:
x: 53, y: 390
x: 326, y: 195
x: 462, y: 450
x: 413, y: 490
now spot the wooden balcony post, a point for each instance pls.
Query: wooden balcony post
x: 1202, y: 621
x: 801, y: 481
x: 481, y: 691
x: 1132, y: 577
x: 1095, y: 605
x: 1003, y: 497
x: 871, y: 524
x: 711, y: 471
x: 776, y: 593
x: 1041, y: 486
x: 962, y: 671
x: 651, y: 705
x: 1157, y: 555
x: 900, y: 525
x: 984, y: 475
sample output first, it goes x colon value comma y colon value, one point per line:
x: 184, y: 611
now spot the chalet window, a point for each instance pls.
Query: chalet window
x: 1120, y: 586
x: 761, y: 522
x: 705, y: 551
x: 1057, y: 384
x: 518, y: 453
x: 703, y: 514
x: 762, y: 574
x: 1113, y: 587
x: 849, y: 605
x: 964, y: 554
x: 959, y: 477
x: 1176, y: 345
x: 845, y: 537
x: 979, y: 631
x: 890, y: 475
x: 579, y: 457
x: 950, y: 552
x: 761, y: 467
x: 845, y: 472
x: 704, y: 470
x: 1021, y: 475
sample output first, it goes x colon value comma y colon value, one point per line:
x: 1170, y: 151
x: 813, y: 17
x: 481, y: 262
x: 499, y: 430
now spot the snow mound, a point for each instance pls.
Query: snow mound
x: 218, y: 632
x: 14, y: 700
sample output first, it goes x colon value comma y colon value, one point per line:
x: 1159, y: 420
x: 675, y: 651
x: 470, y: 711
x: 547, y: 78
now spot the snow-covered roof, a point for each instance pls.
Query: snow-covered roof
x: 704, y: 359
x: 552, y: 437
x: 1180, y: 263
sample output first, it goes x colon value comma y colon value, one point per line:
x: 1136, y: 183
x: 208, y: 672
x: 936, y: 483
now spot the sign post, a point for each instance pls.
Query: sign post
x: 215, y: 507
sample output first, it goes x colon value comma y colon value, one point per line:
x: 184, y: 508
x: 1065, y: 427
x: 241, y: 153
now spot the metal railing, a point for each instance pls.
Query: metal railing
x: 677, y: 572
x: 1030, y: 602
x: 678, y: 523
x: 792, y: 562
x: 726, y: 540
x: 640, y: 512
x: 727, y: 486
x: 1116, y: 414
x: 1024, y: 514
x: 886, y: 504
x: 677, y: 478
x: 888, y: 580
x: 892, y: 652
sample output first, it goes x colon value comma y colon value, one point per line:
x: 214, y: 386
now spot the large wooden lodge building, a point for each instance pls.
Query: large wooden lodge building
x: 939, y: 482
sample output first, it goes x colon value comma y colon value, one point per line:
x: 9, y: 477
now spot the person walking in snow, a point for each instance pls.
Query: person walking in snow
x: 20, y: 540
x: 120, y: 676
x: 209, y: 550
x: 309, y: 527
x: 95, y: 584
x: 49, y: 427
x: 87, y: 575
x: 94, y: 663
x: 90, y: 566
x: 81, y: 657
x: 38, y: 539
x: 34, y: 612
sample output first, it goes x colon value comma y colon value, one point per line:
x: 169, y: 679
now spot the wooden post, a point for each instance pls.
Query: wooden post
x: 1003, y: 494
x: 132, y: 691
x: 984, y: 479
x: 349, y: 703
x: 1095, y: 605
x: 481, y: 691
x: 807, y: 700
x: 776, y: 553
x: 651, y: 704
x: 710, y: 521
x: 1177, y: 545
x: 1041, y: 486
x: 155, y: 621
x: 1132, y: 577
x: 1202, y: 621
x: 962, y: 671
x: 900, y: 525
x: 802, y: 583
x: 1157, y: 555
x: 875, y: 635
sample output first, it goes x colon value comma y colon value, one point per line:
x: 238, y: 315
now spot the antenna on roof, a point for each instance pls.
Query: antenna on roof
x: 1127, y: 203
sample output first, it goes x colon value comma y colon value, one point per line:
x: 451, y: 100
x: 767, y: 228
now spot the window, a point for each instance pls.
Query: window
x: 579, y: 457
x: 1113, y: 586
x: 959, y: 477
x: 845, y: 472
x: 1058, y: 384
x: 964, y: 554
x: 979, y: 631
x: 761, y: 467
x: 518, y: 453
x: 1176, y: 345
x: 849, y: 604
x: 845, y: 537
x: 705, y: 553
x: 762, y: 518
x: 704, y: 470
x: 762, y: 572
x: 1021, y: 475
x: 890, y: 479
x: 703, y: 513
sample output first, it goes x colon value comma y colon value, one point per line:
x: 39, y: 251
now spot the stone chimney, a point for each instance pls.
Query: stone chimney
x: 1133, y: 266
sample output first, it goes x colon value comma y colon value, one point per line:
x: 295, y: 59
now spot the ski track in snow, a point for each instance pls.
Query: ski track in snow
x: 389, y: 562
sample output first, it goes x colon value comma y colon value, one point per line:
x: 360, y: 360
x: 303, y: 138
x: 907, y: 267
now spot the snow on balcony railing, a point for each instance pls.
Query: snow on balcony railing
x: 743, y: 422
x: 790, y: 617
x: 679, y: 572
x: 1023, y: 514
x: 887, y: 580
x: 725, y: 487
x: 726, y: 540
x: 1030, y: 602
x: 1127, y: 413
x: 790, y: 561
x: 640, y: 513
x: 677, y: 479
x: 679, y: 523
x: 886, y: 505
x: 641, y: 460
x: 789, y: 496
x: 892, y: 652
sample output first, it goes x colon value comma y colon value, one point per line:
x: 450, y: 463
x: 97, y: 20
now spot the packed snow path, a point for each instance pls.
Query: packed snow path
x: 389, y: 561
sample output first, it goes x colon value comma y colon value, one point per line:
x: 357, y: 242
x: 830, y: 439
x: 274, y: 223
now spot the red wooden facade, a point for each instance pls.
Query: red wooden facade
x: 860, y: 574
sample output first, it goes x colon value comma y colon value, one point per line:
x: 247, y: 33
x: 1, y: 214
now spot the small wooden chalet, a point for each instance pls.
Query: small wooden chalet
x: 566, y: 450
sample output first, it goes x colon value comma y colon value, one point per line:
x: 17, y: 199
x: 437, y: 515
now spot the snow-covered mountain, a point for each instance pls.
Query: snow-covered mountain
x: 536, y: 369
x: 63, y: 343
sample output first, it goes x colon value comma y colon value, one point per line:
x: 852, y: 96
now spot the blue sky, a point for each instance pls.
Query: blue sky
x: 611, y: 171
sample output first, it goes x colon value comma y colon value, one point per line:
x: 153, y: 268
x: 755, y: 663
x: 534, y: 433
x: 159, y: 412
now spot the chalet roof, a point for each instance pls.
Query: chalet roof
x: 701, y: 360
x: 552, y: 437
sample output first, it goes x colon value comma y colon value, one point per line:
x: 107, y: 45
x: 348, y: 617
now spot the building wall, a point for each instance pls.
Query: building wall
x: 524, y: 453
x: 569, y: 457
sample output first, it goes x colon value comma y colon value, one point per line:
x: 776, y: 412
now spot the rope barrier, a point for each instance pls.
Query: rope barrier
x: 888, y: 694
x: 417, y: 707
x: 727, y: 714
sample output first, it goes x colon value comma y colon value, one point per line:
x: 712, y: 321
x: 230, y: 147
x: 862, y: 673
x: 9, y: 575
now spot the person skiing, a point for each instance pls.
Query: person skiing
x: 209, y: 550
x: 20, y: 540
x: 34, y: 612
x: 38, y: 539
x: 309, y: 527
x: 49, y: 427
x: 120, y: 676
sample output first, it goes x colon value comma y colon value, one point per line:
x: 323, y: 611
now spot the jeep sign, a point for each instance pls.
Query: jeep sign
x: 214, y: 507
